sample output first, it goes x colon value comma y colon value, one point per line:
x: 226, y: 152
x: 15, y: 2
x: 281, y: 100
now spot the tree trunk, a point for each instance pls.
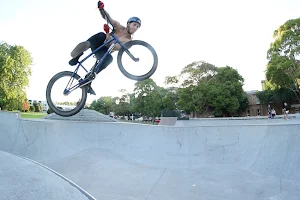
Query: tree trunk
x: 298, y: 95
x: 298, y: 92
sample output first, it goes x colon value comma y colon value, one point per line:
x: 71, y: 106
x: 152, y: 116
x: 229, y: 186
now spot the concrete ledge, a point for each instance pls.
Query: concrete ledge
x: 83, y: 115
x: 247, y: 118
x: 168, y: 121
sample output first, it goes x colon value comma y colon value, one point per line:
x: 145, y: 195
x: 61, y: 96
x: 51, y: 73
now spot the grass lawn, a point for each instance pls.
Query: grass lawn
x: 32, y: 115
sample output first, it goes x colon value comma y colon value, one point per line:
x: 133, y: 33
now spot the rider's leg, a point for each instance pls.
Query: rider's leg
x: 108, y: 59
x: 78, y: 51
x: 80, y: 48
x: 93, y: 42
x: 96, y: 41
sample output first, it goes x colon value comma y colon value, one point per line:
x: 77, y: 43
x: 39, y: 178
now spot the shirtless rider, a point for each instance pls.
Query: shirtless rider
x: 123, y: 33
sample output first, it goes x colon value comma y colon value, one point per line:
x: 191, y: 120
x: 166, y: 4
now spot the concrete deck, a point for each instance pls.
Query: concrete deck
x: 122, y: 161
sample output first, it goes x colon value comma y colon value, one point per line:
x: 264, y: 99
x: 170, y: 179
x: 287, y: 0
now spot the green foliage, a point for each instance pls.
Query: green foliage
x: 169, y: 100
x: 275, y: 96
x: 194, y: 98
x: 148, y: 98
x: 197, y: 72
x: 32, y: 108
x: 221, y: 90
x: 122, y: 105
x: 37, y: 107
x: 30, y: 115
x: 15, y: 62
x: 283, y: 69
x: 244, y: 103
x: 227, y: 94
x: 171, y: 80
x: 49, y: 111
x: 185, y: 99
x: 199, y: 86
x: 103, y: 105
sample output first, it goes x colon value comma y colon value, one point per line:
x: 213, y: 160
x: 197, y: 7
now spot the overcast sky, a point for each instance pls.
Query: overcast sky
x: 232, y: 32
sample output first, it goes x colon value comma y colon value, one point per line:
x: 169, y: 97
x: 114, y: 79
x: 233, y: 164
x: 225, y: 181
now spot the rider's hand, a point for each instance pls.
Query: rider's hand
x: 106, y: 28
x: 100, y: 5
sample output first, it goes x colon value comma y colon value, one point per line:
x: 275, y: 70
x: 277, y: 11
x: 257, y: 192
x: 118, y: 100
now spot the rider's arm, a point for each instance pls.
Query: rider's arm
x: 114, y: 22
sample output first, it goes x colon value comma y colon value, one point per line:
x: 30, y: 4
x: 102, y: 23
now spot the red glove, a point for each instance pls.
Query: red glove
x: 100, y: 5
x: 106, y: 28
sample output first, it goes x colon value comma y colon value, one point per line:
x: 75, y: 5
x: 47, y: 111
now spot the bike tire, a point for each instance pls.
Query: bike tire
x: 50, y: 102
x: 129, y: 75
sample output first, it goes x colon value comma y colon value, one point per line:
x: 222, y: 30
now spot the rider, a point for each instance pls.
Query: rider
x: 123, y: 33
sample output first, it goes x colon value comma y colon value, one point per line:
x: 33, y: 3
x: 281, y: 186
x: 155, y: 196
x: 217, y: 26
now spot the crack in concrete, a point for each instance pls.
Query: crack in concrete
x: 179, y: 143
x: 16, y: 137
x: 217, y: 147
x: 27, y: 141
x: 190, y: 157
x: 156, y: 183
x: 260, y: 151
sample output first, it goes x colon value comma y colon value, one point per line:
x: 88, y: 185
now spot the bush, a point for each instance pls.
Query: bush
x: 49, y: 111
x: 32, y: 108
x: 38, y: 107
x: 183, y: 118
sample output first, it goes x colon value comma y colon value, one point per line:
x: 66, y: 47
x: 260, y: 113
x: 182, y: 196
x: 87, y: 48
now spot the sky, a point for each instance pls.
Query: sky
x: 224, y: 33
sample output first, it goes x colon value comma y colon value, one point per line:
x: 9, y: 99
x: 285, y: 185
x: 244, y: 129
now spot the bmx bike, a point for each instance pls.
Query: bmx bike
x: 83, y: 83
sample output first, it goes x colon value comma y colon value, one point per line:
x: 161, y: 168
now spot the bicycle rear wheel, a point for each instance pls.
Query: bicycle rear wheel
x: 62, y: 107
x: 148, y: 49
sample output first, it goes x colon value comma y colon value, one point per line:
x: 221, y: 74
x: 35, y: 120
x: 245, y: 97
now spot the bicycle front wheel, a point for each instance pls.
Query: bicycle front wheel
x: 137, y: 48
x: 56, y: 99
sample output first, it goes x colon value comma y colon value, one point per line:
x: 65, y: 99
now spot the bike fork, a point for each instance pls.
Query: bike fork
x: 130, y: 54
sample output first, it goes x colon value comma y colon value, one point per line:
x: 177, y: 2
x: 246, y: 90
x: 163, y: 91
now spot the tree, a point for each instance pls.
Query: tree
x: 197, y: 72
x: 244, y: 103
x: 171, y: 80
x: 194, y: 98
x: 122, y: 104
x: 37, y: 107
x: 102, y: 105
x: 283, y: 69
x: 275, y: 95
x: 25, y: 106
x: 191, y: 86
x: 203, y: 86
x: 15, y: 62
x: 226, y: 93
x: 148, y: 98
x: 169, y: 100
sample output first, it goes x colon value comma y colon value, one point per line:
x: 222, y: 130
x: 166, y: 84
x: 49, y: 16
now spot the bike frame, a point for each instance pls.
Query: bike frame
x: 83, y: 82
x: 114, y: 38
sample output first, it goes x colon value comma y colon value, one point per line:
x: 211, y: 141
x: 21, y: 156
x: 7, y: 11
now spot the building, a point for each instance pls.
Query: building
x: 255, y: 108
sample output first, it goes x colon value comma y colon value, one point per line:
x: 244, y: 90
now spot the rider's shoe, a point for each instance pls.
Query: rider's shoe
x: 90, y: 90
x: 74, y: 61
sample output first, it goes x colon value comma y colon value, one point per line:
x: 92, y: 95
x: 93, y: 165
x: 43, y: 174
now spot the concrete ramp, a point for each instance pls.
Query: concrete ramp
x: 126, y: 161
x: 83, y: 115
x: 23, y: 179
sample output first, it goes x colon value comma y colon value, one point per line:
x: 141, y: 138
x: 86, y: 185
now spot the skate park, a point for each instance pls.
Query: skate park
x: 242, y: 158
